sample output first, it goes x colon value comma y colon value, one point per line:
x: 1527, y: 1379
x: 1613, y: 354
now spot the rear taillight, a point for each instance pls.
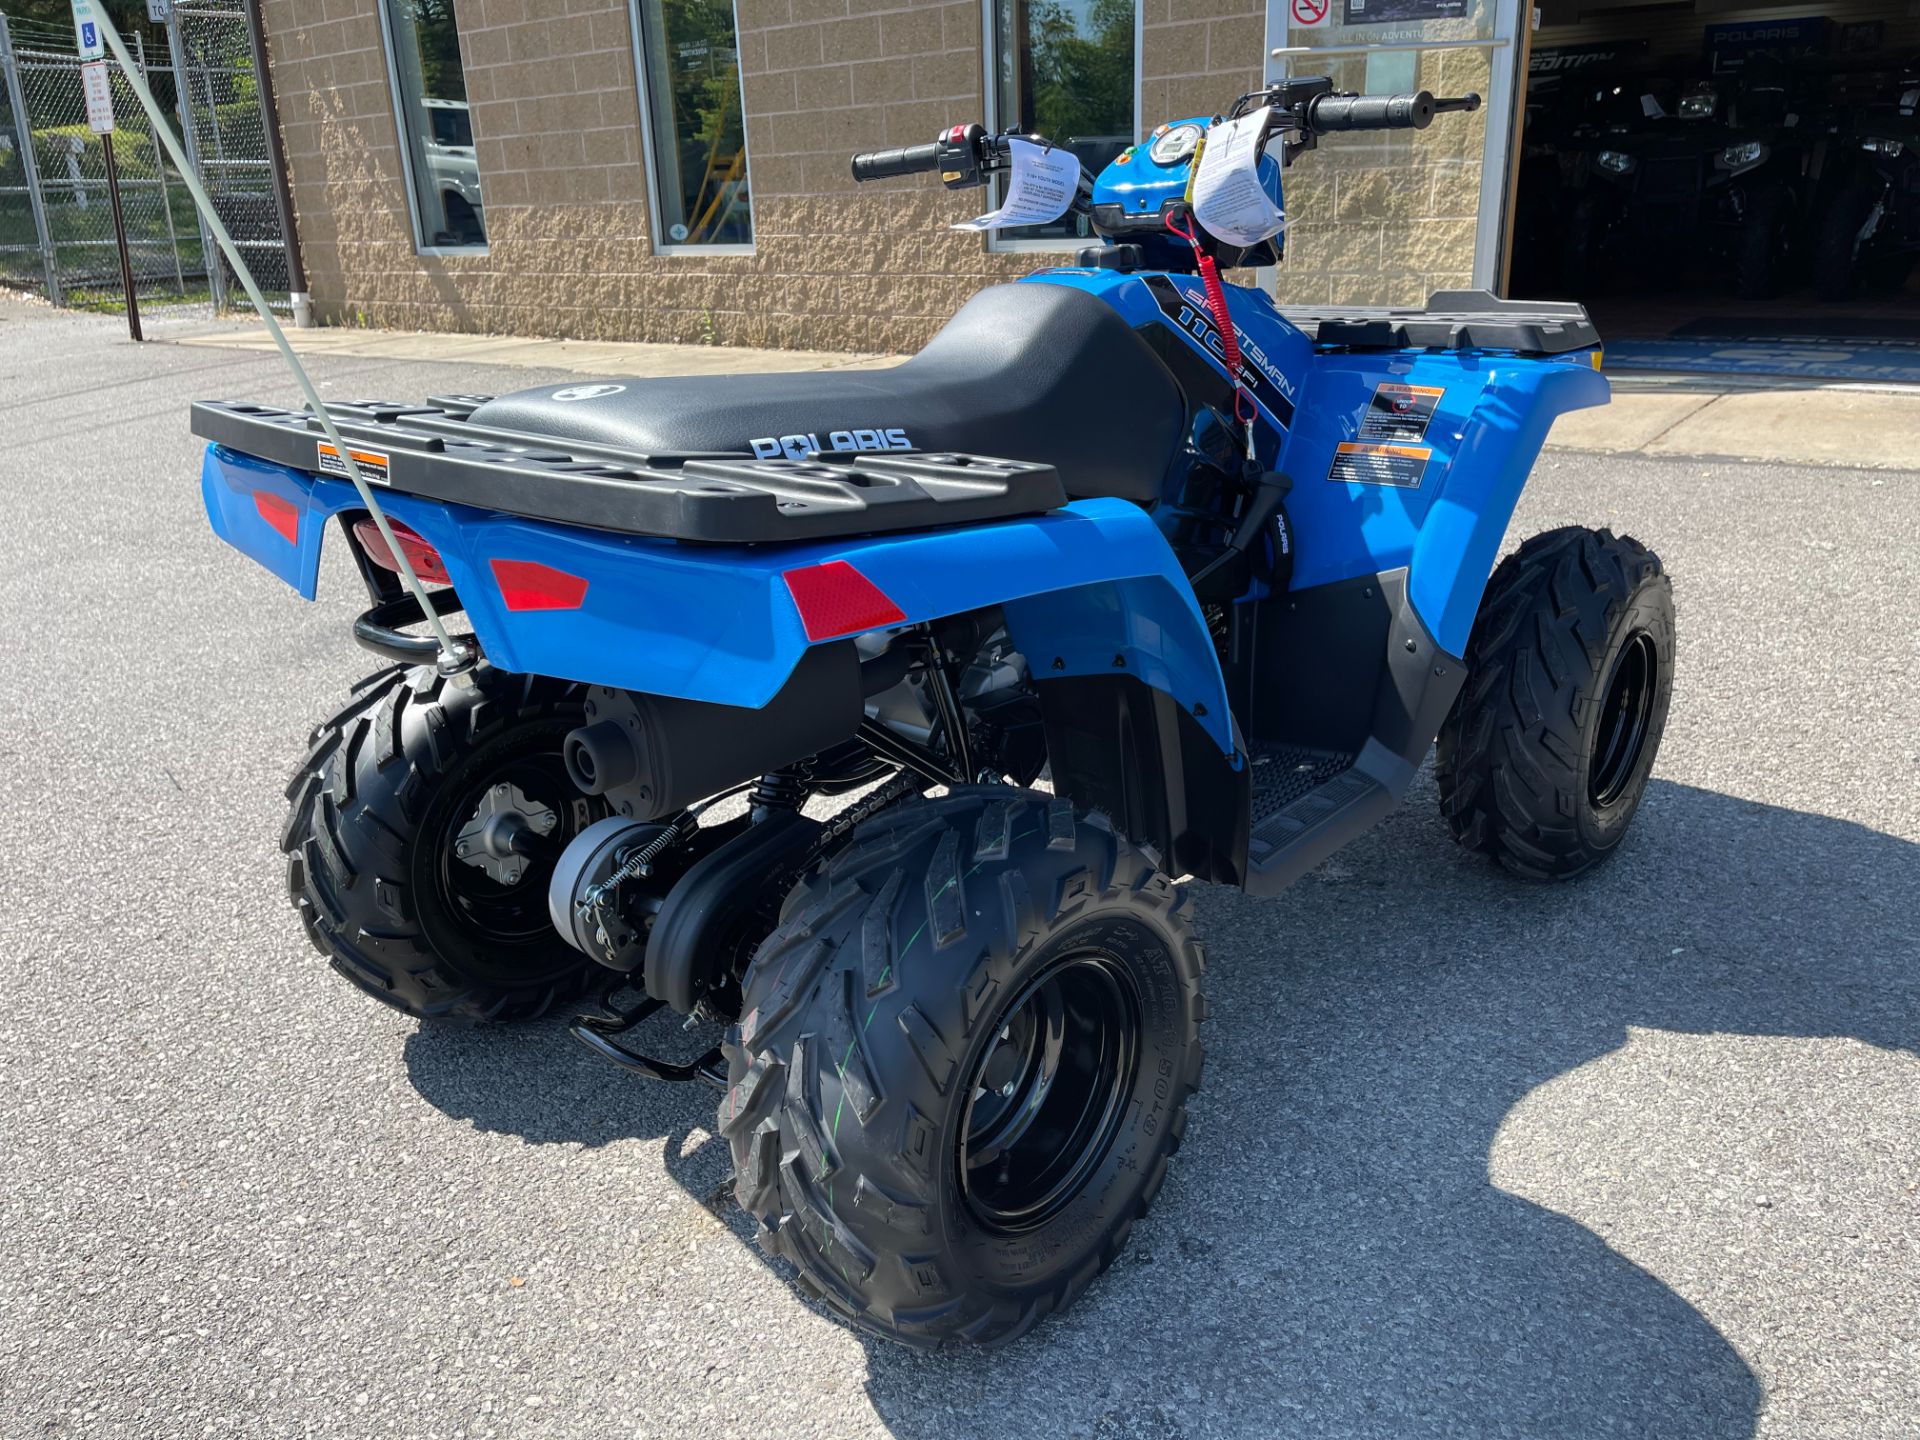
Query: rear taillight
x: 425, y: 560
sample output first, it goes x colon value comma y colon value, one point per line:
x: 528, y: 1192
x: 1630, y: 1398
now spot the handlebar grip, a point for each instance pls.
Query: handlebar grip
x: 1371, y: 112
x: 907, y: 160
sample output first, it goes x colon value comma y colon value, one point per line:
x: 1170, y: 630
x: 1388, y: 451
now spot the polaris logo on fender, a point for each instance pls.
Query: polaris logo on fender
x: 799, y: 447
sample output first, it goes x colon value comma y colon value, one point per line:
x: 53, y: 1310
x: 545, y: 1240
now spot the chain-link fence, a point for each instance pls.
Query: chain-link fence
x: 226, y: 137
x: 56, y: 223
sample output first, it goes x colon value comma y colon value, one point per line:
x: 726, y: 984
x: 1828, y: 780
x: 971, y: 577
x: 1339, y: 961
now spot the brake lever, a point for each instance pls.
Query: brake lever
x: 1468, y: 102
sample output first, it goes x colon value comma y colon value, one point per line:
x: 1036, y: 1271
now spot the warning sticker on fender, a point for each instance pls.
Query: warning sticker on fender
x: 373, y: 464
x: 1359, y: 464
x: 1400, y: 412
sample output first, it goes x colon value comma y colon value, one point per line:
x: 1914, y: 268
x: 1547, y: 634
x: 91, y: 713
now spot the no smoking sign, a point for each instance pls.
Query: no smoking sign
x: 1310, y: 14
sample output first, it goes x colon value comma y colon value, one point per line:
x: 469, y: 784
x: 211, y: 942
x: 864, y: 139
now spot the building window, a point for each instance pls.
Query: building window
x: 1066, y: 69
x: 436, y: 132
x: 696, y: 139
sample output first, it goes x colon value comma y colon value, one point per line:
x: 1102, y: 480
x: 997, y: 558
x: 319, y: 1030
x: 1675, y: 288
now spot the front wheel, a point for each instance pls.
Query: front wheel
x: 425, y: 823
x: 1837, y: 245
x: 1584, y: 269
x: 1762, y: 248
x: 963, y: 1063
x: 1545, y: 755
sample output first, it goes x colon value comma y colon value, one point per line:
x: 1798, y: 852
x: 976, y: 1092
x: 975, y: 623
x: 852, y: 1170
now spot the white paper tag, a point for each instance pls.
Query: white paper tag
x: 1040, y: 189
x: 1228, y: 198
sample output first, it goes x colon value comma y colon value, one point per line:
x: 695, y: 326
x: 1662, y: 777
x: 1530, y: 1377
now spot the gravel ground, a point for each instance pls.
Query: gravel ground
x: 1633, y: 1156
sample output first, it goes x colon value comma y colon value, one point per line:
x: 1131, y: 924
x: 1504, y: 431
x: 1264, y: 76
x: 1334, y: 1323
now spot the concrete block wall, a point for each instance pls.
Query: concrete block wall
x: 1375, y: 219
x: 1387, y: 219
x: 874, y: 266
x: 556, y: 120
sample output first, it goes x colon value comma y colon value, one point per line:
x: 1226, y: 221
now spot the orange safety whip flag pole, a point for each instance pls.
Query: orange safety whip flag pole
x: 452, y: 655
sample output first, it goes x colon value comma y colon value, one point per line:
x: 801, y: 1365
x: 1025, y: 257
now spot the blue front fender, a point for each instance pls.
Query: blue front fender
x: 1086, y: 590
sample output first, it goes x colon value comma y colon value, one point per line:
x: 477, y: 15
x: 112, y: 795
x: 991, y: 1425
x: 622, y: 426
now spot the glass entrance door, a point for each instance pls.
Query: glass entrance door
x: 1388, y: 218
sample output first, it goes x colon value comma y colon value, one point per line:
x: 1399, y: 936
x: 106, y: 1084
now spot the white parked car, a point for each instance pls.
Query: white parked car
x: 453, y: 173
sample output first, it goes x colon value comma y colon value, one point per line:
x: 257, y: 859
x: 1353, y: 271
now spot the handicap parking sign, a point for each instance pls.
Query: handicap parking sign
x: 86, y: 27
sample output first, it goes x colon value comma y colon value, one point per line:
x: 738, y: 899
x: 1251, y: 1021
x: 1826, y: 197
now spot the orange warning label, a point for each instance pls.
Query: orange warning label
x: 1356, y: 463
x: 373, y: 464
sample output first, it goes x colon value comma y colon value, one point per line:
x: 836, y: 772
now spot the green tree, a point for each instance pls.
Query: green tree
x: 705, y: 69
x: 442, y: 77
x: 1082, y: 68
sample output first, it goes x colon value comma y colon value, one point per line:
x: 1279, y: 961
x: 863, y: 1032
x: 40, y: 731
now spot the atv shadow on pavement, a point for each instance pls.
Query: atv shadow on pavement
x: 1334, y: 1253
x: 556, y: 1091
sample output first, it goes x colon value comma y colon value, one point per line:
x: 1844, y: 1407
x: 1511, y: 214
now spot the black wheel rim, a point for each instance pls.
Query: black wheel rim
x: 488, y: 913
x: 1625, y: 712
x: 1047, y: 1097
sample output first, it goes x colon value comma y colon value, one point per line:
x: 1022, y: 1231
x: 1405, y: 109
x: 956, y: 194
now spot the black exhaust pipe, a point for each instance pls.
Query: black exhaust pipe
x: 652, y: 755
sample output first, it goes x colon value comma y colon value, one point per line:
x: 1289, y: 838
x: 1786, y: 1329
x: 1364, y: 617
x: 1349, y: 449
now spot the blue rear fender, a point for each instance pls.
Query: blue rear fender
x: 1092, y: 589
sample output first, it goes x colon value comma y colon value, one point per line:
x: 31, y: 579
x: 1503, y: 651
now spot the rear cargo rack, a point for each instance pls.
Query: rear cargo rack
x: 434, y: 450
x: 1453, y: 320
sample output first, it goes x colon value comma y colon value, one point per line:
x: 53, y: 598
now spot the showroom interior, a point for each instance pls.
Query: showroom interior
x: 1698, y: 174
x: 1726, y: 187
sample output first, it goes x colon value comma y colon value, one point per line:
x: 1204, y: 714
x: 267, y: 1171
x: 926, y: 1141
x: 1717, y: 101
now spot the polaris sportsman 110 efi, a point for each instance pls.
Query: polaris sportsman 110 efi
x: 1203, y: 613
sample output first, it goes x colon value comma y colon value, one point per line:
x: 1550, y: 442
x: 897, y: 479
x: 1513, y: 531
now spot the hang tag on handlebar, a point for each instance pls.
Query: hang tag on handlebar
x: 1228, y: 198
x: 1040, y: 187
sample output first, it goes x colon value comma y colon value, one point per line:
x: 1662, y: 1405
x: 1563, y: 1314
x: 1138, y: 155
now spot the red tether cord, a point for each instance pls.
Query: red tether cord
x: 1222, y: 321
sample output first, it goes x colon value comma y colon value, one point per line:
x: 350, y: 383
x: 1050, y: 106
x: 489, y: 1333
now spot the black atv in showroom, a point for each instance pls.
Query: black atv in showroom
x: 1714, y: 175
x: 1869, y: 234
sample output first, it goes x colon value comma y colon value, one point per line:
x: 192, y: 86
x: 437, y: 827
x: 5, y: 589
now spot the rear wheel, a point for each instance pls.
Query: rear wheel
x: 425, y: 824
x: 1543, y: 760
x: 463, y: 221
x: 963, y: 1064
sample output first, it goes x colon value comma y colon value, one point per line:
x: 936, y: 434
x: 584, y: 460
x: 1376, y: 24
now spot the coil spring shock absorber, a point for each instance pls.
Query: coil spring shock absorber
x: 777, y: 790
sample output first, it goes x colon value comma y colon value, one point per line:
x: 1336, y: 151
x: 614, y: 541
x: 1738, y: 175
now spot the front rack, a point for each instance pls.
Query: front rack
x: 1453, y: 320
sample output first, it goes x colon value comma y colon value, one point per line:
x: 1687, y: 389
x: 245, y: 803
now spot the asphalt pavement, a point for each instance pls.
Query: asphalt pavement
x: 1633, y: 1156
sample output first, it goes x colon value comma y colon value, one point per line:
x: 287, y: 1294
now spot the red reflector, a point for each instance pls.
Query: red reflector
x: 836, y: 599
x: 282, y: 515
x: 529, y: 585
x: 425, y: 560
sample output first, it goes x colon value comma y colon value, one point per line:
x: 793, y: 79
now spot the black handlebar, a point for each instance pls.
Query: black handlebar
x: 907, y: 160
x: 962, y: 155
x: 1327, y: 113
x: 965, y: 155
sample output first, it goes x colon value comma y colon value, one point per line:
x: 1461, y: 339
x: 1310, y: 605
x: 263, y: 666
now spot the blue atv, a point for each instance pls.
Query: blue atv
x: 1127, y: 576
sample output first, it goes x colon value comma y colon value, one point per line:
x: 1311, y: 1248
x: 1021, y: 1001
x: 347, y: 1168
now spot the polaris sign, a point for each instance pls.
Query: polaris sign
x: 1729, y: 45
x: 799, y: 447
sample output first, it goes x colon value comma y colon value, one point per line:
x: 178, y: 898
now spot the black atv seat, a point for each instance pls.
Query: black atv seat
x: 1034, y: 372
